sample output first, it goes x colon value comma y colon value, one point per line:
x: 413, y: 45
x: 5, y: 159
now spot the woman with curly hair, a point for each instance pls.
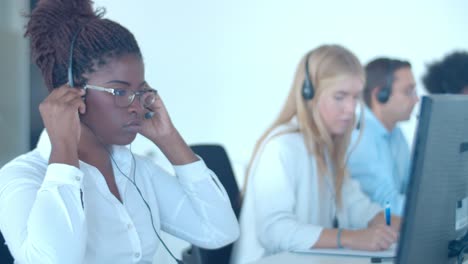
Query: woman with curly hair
x: 81, y: 196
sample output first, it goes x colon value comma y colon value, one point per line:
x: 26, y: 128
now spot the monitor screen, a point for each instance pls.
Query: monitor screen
x: 436, y: 209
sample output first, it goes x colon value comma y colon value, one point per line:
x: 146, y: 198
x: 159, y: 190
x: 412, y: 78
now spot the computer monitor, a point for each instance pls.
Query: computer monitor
x: 436, y: 210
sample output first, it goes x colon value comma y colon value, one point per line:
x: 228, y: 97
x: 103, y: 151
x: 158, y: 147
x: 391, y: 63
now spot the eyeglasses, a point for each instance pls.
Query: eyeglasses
x: 124, y: 97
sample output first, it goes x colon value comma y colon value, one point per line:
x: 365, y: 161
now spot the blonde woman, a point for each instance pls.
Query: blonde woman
x: 298, y: 194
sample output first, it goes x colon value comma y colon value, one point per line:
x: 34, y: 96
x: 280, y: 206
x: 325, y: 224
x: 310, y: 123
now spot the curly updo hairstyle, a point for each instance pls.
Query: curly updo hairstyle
x: 51, y: 28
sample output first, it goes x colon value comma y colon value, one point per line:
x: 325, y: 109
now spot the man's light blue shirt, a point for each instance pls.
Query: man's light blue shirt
x: 380, y: 162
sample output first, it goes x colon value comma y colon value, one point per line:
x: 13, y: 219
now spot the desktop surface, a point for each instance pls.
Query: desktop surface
x: 301, y: 258
x: 304, y: 258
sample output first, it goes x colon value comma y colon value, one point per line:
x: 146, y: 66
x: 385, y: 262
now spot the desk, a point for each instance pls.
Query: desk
x: 300, y: 258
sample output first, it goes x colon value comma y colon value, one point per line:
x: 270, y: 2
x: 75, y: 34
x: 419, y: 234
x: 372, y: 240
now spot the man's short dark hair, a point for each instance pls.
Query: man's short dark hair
x: 379, y: 73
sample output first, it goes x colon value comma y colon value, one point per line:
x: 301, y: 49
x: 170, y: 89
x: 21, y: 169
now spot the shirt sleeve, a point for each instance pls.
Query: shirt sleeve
x: 195, y: 206
x: 43, y: 222
x: 375, y: 176
x: 358, y: 208
x: 273, y: 191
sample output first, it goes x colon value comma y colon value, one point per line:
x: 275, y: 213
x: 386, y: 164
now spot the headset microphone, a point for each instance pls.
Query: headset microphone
x: 149, y: 115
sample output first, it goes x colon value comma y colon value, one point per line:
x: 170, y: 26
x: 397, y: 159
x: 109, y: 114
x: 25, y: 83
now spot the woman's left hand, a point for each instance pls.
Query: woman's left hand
x: 379, y: 219
x: 159, y: 127
x: 160, y: 130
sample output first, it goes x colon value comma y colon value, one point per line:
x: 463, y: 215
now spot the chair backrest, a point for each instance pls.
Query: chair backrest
x: 5, y: 256
x: 217, y: 160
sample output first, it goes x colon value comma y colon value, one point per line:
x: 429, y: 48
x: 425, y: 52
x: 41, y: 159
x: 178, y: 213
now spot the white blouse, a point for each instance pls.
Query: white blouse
x: 44, y: 218
x: 287, y: 205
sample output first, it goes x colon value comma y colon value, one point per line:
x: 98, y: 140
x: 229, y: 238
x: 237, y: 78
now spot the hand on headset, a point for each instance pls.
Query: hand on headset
x: 161, y: 131
x: 157, y: 125
x: 60, y: 114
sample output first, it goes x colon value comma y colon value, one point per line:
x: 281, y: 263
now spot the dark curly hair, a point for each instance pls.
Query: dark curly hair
x: 51, y: 27
x: 450, y: 75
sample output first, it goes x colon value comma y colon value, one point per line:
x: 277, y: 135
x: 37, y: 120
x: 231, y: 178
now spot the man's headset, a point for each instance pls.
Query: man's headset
x: 307, y: 87
x: 71, y: 83
x: 148, y: 115
x: 384, y: 93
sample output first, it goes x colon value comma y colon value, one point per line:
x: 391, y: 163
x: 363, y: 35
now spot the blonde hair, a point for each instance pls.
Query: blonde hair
x: 326, y: 64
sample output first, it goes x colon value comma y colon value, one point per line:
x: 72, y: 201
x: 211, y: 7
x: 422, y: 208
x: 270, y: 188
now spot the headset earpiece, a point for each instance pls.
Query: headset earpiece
x: 307, y: 90
x: 307, y: 87
x: 384, y: 92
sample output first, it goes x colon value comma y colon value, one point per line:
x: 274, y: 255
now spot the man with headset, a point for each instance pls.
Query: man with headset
x: 380, y: 160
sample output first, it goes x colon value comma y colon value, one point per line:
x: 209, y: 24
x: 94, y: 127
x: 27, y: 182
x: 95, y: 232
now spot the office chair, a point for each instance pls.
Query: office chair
x: 217, y: 160
x: 5, y: 256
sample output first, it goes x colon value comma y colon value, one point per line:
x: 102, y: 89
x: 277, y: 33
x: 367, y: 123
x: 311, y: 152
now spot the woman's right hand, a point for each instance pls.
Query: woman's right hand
x: 373, y: 238
x: 59, y: 112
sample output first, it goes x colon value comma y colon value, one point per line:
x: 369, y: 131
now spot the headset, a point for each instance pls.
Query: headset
x: 307, y: 87
x: 148, y: 115
x: 384, y: 93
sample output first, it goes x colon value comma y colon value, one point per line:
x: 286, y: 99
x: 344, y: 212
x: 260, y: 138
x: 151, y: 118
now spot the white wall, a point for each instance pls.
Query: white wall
x: 14, y: 81
x: 224, y: 67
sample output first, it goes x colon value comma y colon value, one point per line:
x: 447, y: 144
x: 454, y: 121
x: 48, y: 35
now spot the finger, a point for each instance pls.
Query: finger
x: 388, y: 241
x: 77, y: 91
x: 78, y: 104
x: 396, y: 223
x: 82, y: 107
x: 71, y: 95
x: 391, y: 233
x: 384, y: 244
x: 57, y: 93
x: 158, y: 102
x: 63, y: 96
x: 67, y: 88
x: 156, y: 105
x: 64, y: 89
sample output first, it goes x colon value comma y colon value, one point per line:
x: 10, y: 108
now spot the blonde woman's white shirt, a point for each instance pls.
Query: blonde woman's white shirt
x: 287, y: 204
x: 44, y: 218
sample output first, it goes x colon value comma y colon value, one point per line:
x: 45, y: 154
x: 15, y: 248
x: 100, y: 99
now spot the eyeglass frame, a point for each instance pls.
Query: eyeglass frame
x: 114, y: 91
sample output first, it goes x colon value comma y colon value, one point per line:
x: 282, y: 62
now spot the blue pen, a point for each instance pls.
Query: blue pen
x: 388, y: 214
